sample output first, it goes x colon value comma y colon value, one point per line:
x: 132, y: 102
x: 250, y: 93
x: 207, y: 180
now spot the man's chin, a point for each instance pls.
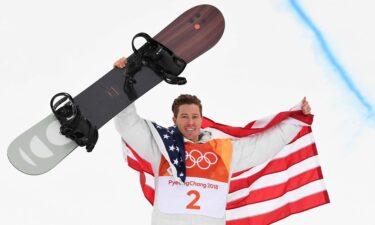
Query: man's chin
x: 191, y: 138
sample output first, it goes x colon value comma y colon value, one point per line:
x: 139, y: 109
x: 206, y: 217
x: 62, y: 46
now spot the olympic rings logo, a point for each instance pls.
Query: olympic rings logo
x: 203, y: 161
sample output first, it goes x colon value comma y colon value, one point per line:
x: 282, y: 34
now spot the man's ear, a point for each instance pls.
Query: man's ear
x: 174, y: 120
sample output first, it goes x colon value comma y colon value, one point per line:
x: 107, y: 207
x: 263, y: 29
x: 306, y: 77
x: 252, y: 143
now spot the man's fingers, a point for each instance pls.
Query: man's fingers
x: 121, y: 63
x: 306, y: 109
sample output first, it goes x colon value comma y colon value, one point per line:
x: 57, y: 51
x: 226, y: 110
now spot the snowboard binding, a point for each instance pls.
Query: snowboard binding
x: 158, y: 58
x: 73, y: 124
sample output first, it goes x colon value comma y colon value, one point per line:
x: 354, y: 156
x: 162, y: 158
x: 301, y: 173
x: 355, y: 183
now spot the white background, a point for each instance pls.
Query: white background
x: 266, y: 61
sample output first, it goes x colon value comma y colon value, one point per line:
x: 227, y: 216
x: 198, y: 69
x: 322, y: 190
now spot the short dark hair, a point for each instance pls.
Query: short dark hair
x: 185, y: 99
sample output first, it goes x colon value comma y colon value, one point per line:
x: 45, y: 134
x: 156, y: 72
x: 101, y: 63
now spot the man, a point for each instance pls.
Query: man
x: 192, y: 179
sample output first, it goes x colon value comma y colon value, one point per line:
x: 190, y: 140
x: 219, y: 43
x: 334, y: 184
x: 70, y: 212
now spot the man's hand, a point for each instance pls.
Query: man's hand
x: 121, y: 63
x: 306, y: 109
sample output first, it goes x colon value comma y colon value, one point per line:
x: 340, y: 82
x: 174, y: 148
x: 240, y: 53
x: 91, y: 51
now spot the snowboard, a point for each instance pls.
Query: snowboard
x: 42, y: 147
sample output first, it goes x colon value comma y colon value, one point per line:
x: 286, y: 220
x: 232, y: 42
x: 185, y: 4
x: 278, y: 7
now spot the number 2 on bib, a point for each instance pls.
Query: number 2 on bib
x: 192, y: 204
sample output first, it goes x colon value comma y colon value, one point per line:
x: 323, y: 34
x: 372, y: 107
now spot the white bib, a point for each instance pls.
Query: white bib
x: 206, y: 187
x: 197, y: 196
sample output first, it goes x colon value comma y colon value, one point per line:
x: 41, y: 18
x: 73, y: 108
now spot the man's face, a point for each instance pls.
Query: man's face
x: 188, y: 121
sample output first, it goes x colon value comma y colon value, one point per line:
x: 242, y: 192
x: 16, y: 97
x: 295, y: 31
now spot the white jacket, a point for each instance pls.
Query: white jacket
x: 247, y: 152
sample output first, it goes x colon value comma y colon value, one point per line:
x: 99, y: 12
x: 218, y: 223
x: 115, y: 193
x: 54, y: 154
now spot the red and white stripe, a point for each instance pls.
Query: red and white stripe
x: 146, y: 175
x: 289, y: 183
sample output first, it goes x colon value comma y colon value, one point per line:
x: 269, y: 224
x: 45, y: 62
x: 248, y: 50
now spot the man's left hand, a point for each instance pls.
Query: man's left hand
x: 306, y: 109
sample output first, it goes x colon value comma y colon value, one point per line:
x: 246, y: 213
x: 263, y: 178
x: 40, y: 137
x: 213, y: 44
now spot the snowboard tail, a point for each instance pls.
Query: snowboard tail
x: 42, y: 147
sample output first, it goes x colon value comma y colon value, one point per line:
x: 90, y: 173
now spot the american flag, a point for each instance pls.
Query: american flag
x: 289, y: 183
x: 173, y: 142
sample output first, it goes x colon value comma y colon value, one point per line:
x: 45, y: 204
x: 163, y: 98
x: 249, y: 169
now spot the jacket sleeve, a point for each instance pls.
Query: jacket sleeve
x: 136, y: 133
x: 255, y: 149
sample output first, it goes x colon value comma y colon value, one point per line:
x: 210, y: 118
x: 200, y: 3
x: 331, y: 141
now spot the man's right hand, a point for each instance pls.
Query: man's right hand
x: 121, y: 63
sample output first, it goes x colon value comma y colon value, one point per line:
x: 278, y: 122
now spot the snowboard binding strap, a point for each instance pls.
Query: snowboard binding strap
x: 73, y: 124
x: 157, y: 57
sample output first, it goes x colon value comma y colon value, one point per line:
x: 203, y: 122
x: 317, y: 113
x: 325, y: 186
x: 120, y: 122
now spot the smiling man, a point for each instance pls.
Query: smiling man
x: 191, y: 165
x: 187, y: 116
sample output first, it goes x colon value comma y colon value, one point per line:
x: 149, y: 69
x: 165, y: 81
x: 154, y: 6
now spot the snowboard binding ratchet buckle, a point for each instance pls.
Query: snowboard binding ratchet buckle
x: 158, y: 58
x: 73, y: 124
